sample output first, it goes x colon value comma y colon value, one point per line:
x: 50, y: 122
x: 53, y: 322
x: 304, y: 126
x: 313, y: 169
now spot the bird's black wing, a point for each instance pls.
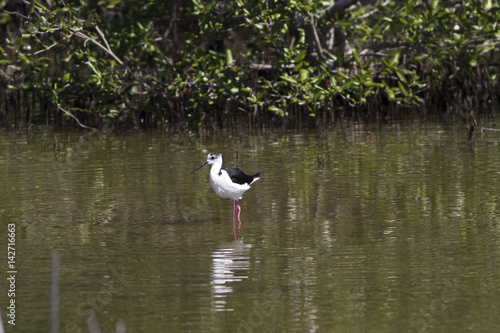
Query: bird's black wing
x: 239, y: 177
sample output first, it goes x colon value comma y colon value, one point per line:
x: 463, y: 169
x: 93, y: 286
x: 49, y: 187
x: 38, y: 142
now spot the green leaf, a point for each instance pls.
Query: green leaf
x: 395, y: 57
x: 386, y: 63
x: 318, y: 95
x: 402, y: 88
x: 434, y: 5
x: 302, y: 36
x: 303, y: 74
x: 229, y: 57
x: 391, y: 96
x: 374, y: 85
x: 356, y: 56
x: 288, y: 79
x: 32, y: 7
x: 298, y: 66
x: 421, y: 57
x: 348, y: 84
x: 300, y: 56
x: 261, y: 94
x: 276, y: 110
x: 401, y: 76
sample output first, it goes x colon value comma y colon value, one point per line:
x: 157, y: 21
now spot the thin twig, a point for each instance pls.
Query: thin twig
x: 316, y: 37
x: 108, y: 51
x: 51, y: 31
x: 373, y: 54
x: 51, y: 46
x: 102, y: 36
x: 371, y: 13
x: 15, y: 13
x: 8, y: 77
x: 76, y: 119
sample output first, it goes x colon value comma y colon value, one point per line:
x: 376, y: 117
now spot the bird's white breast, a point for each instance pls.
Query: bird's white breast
x: 224, y: 186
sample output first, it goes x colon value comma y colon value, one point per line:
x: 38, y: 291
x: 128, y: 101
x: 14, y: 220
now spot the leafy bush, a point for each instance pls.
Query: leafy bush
x: 191, y: 63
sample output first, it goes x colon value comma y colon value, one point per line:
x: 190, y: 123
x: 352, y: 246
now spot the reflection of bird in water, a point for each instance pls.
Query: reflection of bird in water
x: 228, y: 183
x: 227, y: 262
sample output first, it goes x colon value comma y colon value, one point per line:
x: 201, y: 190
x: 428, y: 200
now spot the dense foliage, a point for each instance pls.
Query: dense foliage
x: 198, y: 63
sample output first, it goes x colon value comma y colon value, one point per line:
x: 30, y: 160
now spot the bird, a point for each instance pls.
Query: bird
x: 228, y: 183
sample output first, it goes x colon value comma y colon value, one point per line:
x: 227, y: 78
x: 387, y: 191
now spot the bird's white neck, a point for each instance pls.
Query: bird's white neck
x: 216, y: 167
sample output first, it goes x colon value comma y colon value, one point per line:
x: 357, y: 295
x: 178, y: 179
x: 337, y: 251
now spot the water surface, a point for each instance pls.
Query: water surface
x: 397, y: 229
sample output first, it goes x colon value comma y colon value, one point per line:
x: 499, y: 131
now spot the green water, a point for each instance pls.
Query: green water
x: 397, y: 231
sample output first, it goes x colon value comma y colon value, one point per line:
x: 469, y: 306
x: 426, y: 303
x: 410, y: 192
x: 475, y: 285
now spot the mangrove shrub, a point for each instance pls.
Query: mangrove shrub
x: 197, y: 64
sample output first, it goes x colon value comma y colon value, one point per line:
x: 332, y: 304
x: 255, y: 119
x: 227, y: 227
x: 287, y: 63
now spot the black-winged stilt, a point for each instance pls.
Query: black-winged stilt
x: 228, y: 183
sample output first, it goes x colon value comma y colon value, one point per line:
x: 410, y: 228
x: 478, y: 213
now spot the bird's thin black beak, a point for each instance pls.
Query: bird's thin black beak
x: 201, y: 166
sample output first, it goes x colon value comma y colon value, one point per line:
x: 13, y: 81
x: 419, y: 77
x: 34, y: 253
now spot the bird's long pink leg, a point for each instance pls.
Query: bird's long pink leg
x: 239, y: 211
x: 234, y: 227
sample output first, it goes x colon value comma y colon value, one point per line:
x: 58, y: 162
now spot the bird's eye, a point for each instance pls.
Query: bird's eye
x: 213, y: 157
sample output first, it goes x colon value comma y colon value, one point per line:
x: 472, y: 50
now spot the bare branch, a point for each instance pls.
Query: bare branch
x: 316, y: 37
x: 370, y: 13
x: 8, y: 77
x: 76, y: 119
x: 51, y: 46
x: 267, y: 66
x: 102, y: 36
x: 108, y: 51
x: 15, y: 13
x: 373, y: 54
